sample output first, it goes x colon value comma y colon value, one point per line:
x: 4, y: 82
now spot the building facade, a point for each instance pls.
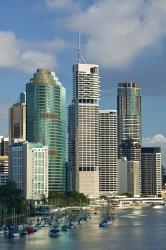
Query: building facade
x: 46, y: 123
x: 4, y: 146
x: 122, y: 176
x: 151, y: 171
x: 129, y: 131
x: 28, y: 167
x: 17, y: 120
x: 129, y: 118
x: 83, y: 129
x: 3, y: 169
x: 108, y: 173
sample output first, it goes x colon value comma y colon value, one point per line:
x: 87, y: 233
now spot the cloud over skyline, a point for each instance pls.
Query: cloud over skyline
x: 27, y: 56
x: 158, y: 139
x: 119, y: 31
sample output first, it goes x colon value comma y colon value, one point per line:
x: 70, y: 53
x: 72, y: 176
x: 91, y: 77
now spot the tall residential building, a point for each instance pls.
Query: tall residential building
x: 129, y: 120
x: 28, y: 167
x: 151, y: 171
x: 83, y: 129
x: 46, y: 123
x: 17, y: 120
x: 129, y: 131
x: 108, y: 173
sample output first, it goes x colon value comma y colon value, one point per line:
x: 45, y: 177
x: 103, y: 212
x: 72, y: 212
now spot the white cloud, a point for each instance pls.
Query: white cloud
x: 27, y: 56
x: 158, y: 139
x: 119, y: 31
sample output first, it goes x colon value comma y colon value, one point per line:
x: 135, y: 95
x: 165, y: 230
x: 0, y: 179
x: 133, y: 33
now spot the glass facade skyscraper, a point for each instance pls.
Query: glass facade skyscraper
x: 46, y: 123
x: 129, y: 132
x: 129, y: 120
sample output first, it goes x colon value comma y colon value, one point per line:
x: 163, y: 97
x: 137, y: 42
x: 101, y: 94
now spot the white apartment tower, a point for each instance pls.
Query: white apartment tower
x: 28, y: 167
x: 83, y: 129
x: 108, y: 176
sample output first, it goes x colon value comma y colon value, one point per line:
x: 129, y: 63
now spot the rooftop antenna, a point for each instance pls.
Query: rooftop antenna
x: 80, y: 58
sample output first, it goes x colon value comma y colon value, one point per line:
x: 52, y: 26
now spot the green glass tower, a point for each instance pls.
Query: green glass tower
x: 129, y: 120
x: 46, y: 123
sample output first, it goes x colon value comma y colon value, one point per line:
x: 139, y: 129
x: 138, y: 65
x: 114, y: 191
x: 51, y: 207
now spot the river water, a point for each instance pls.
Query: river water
x: 141, y: 229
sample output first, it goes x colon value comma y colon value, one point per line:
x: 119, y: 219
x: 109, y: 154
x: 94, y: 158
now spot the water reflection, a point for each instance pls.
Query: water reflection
x: 133, y: 229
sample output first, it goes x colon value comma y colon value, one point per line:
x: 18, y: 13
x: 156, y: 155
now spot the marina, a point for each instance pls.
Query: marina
x: 132, y: 229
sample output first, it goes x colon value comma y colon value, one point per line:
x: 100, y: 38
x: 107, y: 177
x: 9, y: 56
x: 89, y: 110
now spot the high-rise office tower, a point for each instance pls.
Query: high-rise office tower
x: 46, y: 123
x: 28, y: 167
x: 83, y: 129
x: 17, y: 120
x: 151, y: 171
x: 108, y: 179
x: 129, y: 131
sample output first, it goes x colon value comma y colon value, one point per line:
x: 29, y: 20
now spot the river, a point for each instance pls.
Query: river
x: 142, y: 229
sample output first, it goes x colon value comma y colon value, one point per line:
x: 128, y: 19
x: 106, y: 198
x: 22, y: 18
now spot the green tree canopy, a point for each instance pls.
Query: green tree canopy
x: 68, y: 198
x: 11, y: 196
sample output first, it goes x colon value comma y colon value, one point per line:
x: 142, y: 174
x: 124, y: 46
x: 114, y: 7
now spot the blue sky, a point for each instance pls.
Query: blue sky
x: 126, y: 38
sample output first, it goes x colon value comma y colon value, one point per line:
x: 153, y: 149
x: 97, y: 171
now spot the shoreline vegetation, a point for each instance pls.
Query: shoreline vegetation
x: 12, y: 197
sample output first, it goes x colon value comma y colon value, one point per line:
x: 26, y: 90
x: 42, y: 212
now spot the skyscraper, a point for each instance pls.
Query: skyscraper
x: 46, y: 123
x: 151, y: 171
x: 17, y: 120
x: 129, y: 132
x: 108, y: 173
x: 83, y: 128
x: 129, y: 120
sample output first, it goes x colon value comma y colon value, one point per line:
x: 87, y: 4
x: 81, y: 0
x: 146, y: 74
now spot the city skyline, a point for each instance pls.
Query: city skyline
x: 47, y: 39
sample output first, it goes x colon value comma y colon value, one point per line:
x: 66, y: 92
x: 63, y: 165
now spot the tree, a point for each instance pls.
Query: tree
x: 67, y: 199
x: 44, y: 199
x: 12, y: 197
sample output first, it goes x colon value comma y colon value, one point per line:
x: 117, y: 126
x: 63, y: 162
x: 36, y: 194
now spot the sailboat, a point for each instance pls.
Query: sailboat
x: 13, y: 230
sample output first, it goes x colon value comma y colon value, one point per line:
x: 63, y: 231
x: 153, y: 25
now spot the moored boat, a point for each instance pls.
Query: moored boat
x: 55, y: 233
x: 103, y: 224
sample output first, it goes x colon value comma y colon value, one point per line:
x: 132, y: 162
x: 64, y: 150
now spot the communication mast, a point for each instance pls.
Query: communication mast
x: 80, y: 58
